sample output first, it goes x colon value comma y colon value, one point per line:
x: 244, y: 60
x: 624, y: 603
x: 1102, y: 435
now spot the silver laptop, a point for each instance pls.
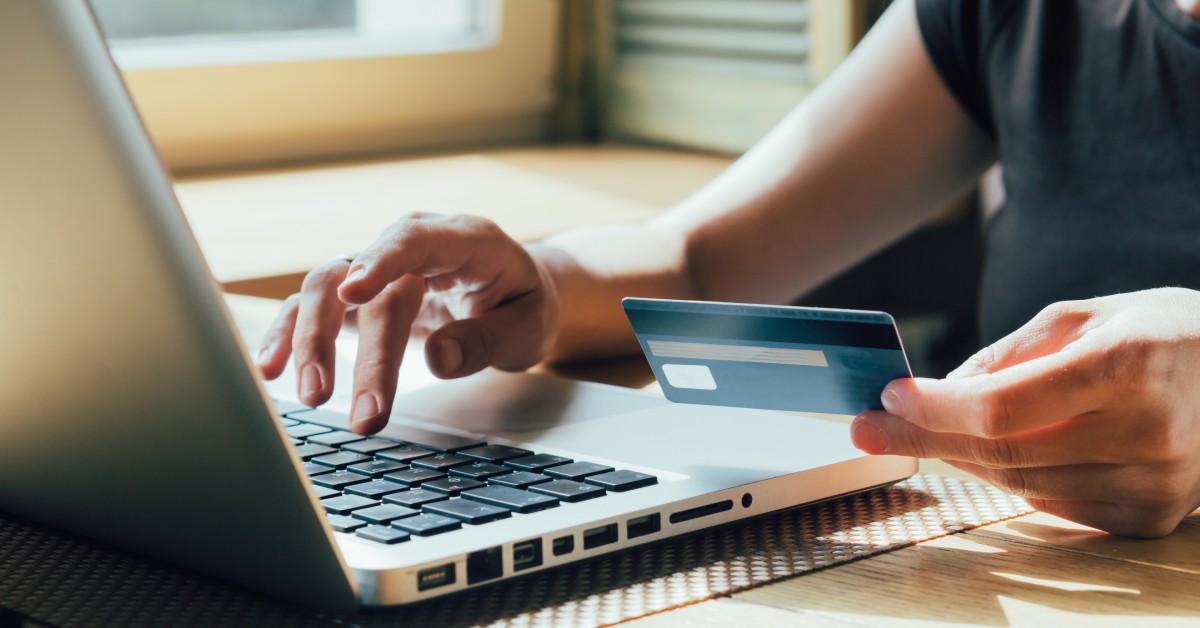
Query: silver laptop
x: 133, y: 414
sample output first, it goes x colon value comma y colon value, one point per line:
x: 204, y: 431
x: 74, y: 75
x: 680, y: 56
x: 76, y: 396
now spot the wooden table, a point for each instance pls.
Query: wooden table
x: 1035, y: 570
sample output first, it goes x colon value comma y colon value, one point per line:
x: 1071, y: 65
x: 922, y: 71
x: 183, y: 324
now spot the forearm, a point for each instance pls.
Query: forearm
x: 877, y: 149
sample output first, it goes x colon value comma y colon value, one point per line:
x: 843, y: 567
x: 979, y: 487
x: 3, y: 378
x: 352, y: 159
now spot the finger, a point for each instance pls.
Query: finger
x: 510, y: 338
x: 1132, y: 522
x: 317, y: 325
x: 1083, y: 482
x: 1106, y: 438
x: 277, y: 343
x: 383, y: 332
x: 1029, y: 395
x: 461, y: 248
x: 1052, y: 329
x: 878, y: 432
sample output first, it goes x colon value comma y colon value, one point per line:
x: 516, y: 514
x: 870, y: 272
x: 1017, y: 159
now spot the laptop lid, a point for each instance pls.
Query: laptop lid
x: 130, y: 412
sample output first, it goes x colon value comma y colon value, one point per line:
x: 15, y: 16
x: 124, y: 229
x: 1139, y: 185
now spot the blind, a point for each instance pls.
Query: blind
x: 718, y: 74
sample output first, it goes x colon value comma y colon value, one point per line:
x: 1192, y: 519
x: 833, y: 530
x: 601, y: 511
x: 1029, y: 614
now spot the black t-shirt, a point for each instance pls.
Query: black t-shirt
x: 1095, y: 109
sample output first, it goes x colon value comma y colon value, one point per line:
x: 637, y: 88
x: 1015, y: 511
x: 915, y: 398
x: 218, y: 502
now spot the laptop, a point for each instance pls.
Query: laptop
x: 134, y: 415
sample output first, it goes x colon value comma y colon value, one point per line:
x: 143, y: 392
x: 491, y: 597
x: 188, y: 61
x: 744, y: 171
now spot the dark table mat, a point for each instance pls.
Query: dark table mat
x: 52, y: 577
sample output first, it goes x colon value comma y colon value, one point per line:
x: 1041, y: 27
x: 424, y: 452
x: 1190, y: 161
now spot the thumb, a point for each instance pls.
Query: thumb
x: 512, y: 337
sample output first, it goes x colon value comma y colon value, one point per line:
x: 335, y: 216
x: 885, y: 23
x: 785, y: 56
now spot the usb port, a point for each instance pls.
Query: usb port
x: 527, y: 554
x: 435, y: 577
x: 641, y: 526
x: 564, y: 545
x: 600, y: 536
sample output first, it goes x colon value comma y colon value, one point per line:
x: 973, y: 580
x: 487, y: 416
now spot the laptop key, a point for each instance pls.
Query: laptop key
x: 346, y: 504
x: 479, y: 470
x: 311, y: 451
x: 312, y: 468
x: 436, y: 441
x: 339, y: 479
x: 375, y: 489
x: 383, y: 513
x: 440, y: 462
x: 383, y: 534
x: 322, y: 492
x: 370, y: 445
x: 287, y: 407
x: 342, y: 523
x: 511, y: 498
x: 404, y: 453
x: 426, y: 524
x: 566, y: 490
x: 468, y: 511
x: 341, y: 459
x: 537, y: 462
x: 304, y: 430
x: 451, y: 486
x: 289, y: 422
x: 622, y: 480
x: 414, y: 498
x: 577, y: 470
x: 414, y: 477
x: 495, y: 453
x: 376, y: 468
x: 335, y: 438
x: 520, y: 479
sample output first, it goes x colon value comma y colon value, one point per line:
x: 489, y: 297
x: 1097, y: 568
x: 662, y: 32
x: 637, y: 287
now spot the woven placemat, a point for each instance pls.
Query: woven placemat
x: 52, y: 577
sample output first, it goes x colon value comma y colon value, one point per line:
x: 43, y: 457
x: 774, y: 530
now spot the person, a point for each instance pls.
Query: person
x: 1086, y: 401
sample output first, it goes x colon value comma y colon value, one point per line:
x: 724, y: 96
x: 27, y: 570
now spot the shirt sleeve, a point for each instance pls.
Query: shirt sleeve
x: 955, y: 33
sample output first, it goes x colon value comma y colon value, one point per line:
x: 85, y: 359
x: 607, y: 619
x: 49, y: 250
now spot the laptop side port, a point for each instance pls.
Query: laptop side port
x: 435, y: 577
x: 641, y: 526
x: 701, y: 511
x: 527, y: 554
x: 563, y: 545
x: 485, y: 565
x: 600, y: 536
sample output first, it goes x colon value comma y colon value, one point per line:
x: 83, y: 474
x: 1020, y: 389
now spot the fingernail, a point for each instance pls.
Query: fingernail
x: 310, y: 381
x: 262, y: 355
x: 868, y: 437
x: 452, y: 355
x: 356, y: 274
x: 893, y: 403
x: 365, y: 407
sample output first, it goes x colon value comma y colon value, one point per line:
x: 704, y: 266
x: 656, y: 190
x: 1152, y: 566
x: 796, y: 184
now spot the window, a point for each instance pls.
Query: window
x: 174, y: 33
x: 224, y: 84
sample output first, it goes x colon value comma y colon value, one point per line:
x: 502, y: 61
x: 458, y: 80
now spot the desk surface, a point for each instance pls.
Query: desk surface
x: 1034, y: 570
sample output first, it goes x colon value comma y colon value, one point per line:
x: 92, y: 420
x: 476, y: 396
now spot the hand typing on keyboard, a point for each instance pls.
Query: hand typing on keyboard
x: 476, y: 295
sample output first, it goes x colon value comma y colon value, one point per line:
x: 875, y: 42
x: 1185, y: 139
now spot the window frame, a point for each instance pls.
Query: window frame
x: 221, y: 117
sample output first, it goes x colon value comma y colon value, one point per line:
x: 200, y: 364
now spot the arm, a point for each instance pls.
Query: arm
x: 866, y: 157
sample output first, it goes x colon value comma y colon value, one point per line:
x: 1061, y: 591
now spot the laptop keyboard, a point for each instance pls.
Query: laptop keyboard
x: 389, y: 491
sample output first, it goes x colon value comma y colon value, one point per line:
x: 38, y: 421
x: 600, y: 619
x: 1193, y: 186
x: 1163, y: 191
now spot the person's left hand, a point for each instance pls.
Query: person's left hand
x: 1091, y: 411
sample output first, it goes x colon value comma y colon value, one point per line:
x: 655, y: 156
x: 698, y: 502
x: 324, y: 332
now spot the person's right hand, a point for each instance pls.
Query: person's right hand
x: 479, y: 299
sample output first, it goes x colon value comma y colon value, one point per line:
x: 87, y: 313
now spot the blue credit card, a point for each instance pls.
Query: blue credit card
x: 772, y: 357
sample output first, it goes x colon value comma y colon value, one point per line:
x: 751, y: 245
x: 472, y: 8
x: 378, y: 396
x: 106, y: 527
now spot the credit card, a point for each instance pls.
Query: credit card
x: 800, y: 359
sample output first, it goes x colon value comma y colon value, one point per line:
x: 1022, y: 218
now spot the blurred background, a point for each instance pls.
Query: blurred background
x: 228, y: 87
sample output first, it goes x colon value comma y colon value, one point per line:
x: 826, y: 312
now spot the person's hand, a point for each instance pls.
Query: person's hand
x: 476, y: 295
x: 1091, y: 412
